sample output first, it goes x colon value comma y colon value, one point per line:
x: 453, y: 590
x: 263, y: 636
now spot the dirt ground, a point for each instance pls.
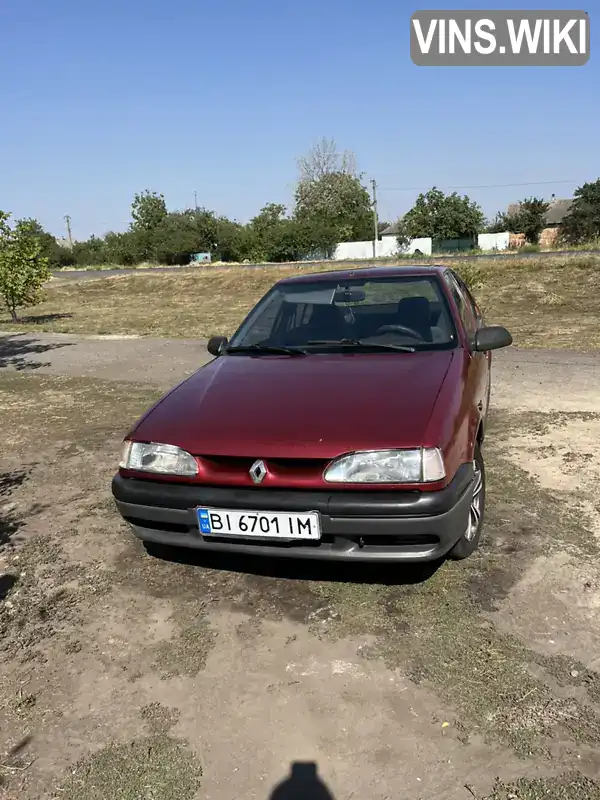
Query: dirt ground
x: 187, y: 678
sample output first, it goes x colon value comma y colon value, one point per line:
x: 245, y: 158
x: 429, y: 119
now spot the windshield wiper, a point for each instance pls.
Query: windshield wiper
x: 259, y: 349
x: 359, y: 343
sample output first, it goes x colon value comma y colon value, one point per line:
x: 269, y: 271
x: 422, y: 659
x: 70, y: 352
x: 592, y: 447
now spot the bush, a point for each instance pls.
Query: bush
x: 23, y: 267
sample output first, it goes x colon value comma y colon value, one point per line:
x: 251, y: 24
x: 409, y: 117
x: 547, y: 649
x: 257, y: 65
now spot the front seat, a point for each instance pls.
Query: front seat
x: 326, y: 322
x: 415, y: 313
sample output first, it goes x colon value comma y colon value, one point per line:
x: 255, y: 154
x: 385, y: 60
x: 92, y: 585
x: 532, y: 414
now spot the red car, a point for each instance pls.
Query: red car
x: 343, y: 420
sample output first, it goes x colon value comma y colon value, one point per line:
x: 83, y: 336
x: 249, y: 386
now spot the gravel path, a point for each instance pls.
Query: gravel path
x: 523, y: 379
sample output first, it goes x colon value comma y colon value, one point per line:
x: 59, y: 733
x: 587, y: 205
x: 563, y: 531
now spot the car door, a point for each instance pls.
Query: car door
x: 483, y: 357
x: 477, y: 379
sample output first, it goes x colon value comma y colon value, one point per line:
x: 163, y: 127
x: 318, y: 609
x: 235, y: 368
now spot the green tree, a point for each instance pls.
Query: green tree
x: 402, y: 236
x: 501, y: 223
x: 58, y: 256
x: 341, y: 202
x: 316, y: 238
x: 529, y: 219
x: 442, y: 216
x: 331, y: 198
x: 286, y: 242
x: 182, y: 233
x: 582, y: 223
x: 120, y: 248
x: 23, y: 268
x: 266, y: 232
x: 148, y: 210
x: 91, y: 252
x: 231, y: 241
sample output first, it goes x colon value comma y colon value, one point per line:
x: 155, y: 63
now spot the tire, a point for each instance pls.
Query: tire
x: 469, y: 541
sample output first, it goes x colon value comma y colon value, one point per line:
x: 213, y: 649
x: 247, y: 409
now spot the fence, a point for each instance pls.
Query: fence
x: 387, y: 247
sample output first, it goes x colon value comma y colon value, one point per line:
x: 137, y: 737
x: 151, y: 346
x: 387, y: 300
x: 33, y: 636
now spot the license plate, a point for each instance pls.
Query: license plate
x: 258, y: 524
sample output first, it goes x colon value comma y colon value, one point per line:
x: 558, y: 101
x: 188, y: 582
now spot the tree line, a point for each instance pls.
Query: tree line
x: 331, y: 205
x: 447, y: 217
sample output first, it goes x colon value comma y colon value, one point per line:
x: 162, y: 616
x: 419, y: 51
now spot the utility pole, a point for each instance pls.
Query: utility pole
x: 375, y: 218
x: 68, y: 221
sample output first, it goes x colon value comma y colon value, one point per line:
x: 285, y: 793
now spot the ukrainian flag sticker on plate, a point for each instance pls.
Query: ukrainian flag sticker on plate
x: 204, y: 520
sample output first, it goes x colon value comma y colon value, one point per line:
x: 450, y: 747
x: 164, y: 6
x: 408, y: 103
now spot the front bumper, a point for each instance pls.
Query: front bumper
x: 356, y: 526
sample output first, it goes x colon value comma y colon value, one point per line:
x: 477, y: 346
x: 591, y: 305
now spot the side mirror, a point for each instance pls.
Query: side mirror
x: 216, y: 345
x: 492, y: 338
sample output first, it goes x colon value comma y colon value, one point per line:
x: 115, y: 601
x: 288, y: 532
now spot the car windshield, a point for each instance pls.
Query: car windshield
x: 395, y: 314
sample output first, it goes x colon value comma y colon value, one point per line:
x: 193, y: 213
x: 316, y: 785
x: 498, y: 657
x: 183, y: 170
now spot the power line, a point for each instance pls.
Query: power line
x: 480, y: 186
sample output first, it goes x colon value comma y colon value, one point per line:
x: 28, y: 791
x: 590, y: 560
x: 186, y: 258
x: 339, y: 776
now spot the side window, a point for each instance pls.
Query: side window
x: 470, y: 300
x: 291, y: 317
x: 263, y: 321
x: 298, y: 316
x: 465, y: 308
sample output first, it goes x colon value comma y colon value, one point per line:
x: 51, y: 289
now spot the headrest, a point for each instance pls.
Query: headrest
x: 414, y: 305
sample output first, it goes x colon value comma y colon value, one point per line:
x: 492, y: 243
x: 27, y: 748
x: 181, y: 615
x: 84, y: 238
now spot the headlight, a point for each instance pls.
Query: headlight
x: 165, y: 459
x: 423, y: 465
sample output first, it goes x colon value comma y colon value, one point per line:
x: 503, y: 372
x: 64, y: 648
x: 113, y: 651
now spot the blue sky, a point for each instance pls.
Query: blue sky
x: 103, y: 99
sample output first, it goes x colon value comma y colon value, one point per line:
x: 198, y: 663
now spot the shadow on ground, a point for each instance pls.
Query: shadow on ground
x: 6, y: 584
x: 303, y: 783
x: 299, y: 569
x: 16, y: 351
x: 42, y: 319
x: 9, y: 525
x: 9, y: 522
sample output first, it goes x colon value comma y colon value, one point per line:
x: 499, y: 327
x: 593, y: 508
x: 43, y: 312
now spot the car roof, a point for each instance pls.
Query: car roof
x: 414, y: 270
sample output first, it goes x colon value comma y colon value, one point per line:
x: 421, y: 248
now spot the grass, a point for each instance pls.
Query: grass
x: 565, y: 787
x: 158, y: 767
x: 546, y: 302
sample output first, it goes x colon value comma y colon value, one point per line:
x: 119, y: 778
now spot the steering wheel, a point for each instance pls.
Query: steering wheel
x: 399, y: 329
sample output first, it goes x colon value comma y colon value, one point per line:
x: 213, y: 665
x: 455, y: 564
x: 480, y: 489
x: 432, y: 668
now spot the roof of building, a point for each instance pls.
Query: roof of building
x: 392, y: 230
x: 554, y: 216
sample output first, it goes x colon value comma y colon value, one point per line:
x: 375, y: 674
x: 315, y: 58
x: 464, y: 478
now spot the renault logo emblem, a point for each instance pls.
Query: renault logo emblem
x: 258, y: 471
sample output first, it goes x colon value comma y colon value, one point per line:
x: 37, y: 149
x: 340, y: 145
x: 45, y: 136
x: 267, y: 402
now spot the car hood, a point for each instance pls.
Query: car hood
x: 315, y: 406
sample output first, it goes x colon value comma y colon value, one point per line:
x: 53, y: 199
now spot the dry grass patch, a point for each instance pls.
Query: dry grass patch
x: 545, y: 302
x: 564, y: 787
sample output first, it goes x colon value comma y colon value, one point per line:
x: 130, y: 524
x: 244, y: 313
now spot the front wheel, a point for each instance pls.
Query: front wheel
x: 469, y: 541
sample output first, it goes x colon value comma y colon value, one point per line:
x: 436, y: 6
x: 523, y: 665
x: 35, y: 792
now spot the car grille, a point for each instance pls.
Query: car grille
x: 223, y: 470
